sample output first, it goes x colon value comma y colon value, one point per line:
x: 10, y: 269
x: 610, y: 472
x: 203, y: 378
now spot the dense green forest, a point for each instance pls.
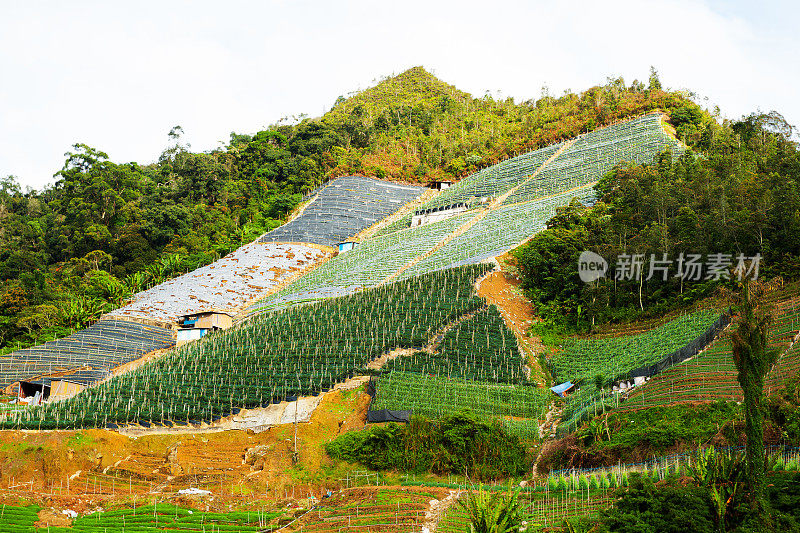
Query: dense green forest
x: 106, y: 230
x: 736, y: 192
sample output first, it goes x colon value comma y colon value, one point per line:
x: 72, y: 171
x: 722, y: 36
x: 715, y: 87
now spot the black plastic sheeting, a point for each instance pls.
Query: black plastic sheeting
x: 388, y: 415
x: 343, y: 208
x: 690, y: 350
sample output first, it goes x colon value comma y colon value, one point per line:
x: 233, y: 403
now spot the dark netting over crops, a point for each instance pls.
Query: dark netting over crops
x: 613, y: 358
x: 343, y: 208
x: 690, y: 350
x: 100, y: 347
x: 387, y: 415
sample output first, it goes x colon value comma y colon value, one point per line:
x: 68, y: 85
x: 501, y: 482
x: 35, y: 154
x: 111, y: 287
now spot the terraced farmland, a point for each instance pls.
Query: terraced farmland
x: 494, y: 180
x: 478, y: 348
x: 543, y: 509
x: 144, y: 519
x: 592, y: 155
x: 712, y: 374
x: 384, y: 509
x: 612, y: 358
x: 300, y: 351
x: 501, y: 230
x: 435, y: 397
x: 364, y: 266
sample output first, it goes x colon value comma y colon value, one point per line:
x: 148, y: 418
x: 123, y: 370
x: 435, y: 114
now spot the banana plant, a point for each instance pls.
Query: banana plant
x: 722, y: 473
x: 499, y: 512
x: 137, y: 282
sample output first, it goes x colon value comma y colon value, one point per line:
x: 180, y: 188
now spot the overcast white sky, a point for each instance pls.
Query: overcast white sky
x: 117, y: 76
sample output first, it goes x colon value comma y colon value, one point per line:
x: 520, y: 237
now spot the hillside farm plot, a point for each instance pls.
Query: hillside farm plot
x: 278, y: 356
x: 712, y: 374
x: 436, y: 397
x: 480, y: 347
x: 636, y: 141
x: 499, y: 231
x: 494, y: 180
x: 708, y: 377
x: 97, y: 349
x: 143, y: 519
x: 225, y: 285
x: 612, y: 358
x: 343, y: 208
x: 545, y: 508
x: 365, y: 265
x: 384, y: 509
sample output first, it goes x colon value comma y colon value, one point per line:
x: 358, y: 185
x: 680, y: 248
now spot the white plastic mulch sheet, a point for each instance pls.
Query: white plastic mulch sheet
x: 225, y: 285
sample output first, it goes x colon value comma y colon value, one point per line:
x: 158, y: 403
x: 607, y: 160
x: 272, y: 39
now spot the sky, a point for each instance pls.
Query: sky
x: 118, y: 76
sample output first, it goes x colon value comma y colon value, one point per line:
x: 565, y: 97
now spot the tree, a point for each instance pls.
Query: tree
x: 655, y: 83
x: 753, y: 358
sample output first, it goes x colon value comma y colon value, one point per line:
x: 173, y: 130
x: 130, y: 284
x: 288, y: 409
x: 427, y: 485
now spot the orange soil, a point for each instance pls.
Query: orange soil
x: 501, y: 288
x: 82, y: 469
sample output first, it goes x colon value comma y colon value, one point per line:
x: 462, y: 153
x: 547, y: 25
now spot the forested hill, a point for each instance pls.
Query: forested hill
x: 740, y: 196
x: 108, y: 229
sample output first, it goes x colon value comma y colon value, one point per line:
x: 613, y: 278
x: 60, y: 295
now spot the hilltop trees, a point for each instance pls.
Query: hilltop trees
x: 199, y: 205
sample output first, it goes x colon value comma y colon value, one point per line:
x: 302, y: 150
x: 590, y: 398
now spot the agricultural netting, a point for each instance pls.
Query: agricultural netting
x: 499, y: 231
x: 637, y: 141
x: 102, y: 346
x: 494, y: 180
x: 613, y: 358
x: 435, y: 397
x: 224, y: 285
x: 299, y: 351
x: 480, y: 347
x: 365, y: 265
x: 343, y: 208
x: 712, y: 375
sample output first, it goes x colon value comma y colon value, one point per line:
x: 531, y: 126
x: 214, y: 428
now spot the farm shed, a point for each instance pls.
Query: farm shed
x: 346, y: 246
x: 563, y: 388
x: 428, y: 216
x: 197, y: 325
x: 441, y: 185
x: 28, y: 390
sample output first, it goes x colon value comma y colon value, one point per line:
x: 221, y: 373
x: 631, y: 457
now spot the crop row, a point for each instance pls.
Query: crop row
x: 493, y: 180
x: 144, y: 519
x: 364, y: 266
x: 709, y: 376
x: 478, y: 348
x: 435, y: 397
x: 500, y: 230
x: 611, y: 358
x: 299, y: 351
x: 592, y: 155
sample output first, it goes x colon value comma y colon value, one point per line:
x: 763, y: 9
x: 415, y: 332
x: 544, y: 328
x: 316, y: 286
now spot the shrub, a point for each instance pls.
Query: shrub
x: 454, y: 444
